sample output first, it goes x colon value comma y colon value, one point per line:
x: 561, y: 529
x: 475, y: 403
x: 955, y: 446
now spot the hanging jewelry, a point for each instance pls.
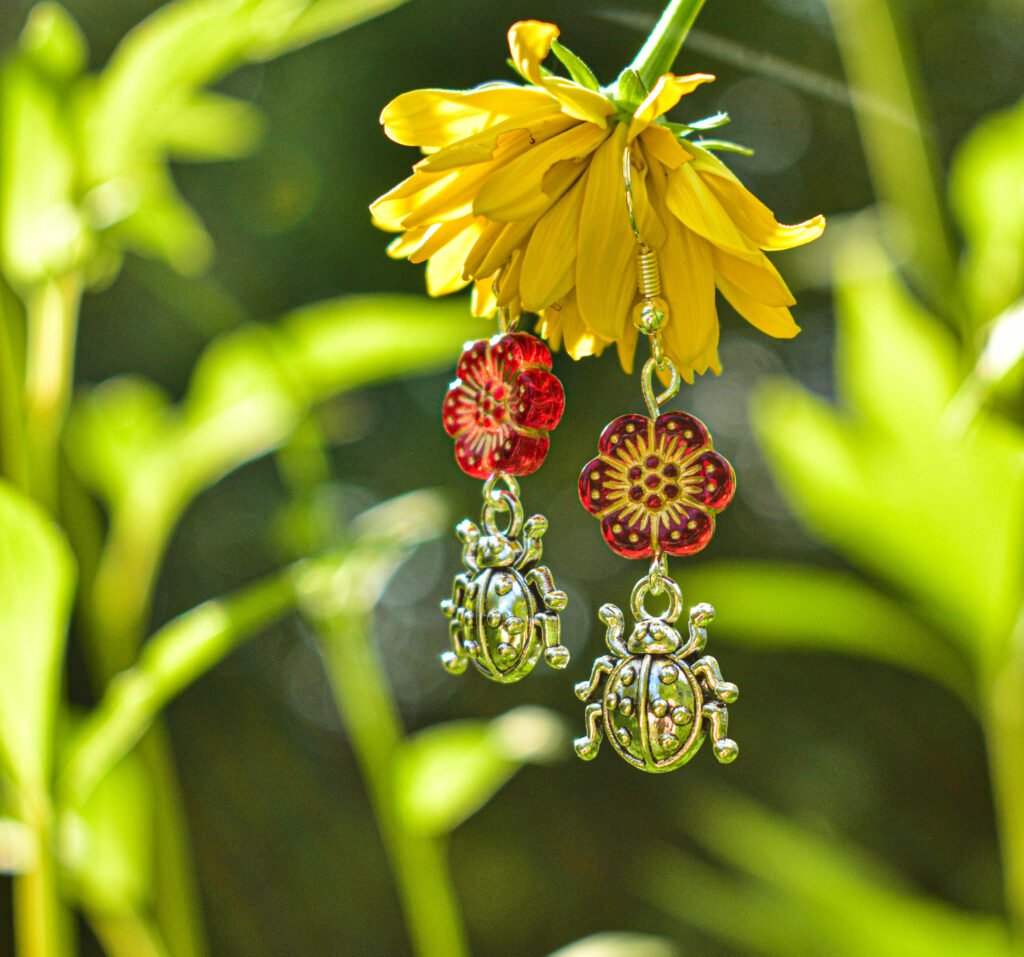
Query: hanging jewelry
x: 657, y: 485
x: 504, y: 606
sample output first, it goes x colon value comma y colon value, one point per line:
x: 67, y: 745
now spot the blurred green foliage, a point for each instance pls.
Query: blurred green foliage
x: 222, y: 438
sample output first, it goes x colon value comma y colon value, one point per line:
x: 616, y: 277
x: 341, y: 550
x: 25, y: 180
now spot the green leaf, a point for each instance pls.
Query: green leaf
x: 623, y: 944
x: 939, y: 515
x: 37, y: 582
x: 985, y: 193
x: 320, y: 19
x: 54, y: 42
x: 447, y: 772
x: 785, y: 607
x: 111, y: 850
x: 712, y: 122
x: 850, y: 904
x: 630, y: 89
x: 725, y: 146
x: 578, y: 70
x: 41, y: 231
x: 211, y: 126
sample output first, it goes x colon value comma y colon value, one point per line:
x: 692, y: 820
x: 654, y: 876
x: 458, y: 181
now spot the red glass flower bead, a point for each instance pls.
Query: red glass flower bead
x: 502, y: 405
x: 656, y: 480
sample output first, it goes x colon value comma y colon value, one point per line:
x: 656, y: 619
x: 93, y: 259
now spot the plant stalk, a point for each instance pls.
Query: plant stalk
x: 42, y: 924
x: 370, y: 717
x: 662, y: 47
x: 52, y: 313
x: 13, y: 451
x: 1004, y: 736
x: 900, y: 150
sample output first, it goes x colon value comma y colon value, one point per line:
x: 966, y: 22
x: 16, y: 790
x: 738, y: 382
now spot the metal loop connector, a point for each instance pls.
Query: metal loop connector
x: 497, y: 500
x: 653, y: 400
x: 641, y: 591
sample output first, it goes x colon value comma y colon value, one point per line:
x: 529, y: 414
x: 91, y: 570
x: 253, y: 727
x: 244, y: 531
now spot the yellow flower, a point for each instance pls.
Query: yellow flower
x: 521, y: 193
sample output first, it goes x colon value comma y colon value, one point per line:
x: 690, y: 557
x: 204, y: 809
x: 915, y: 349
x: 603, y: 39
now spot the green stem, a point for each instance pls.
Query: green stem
x: 370, y: 717
x: 662, y: 47
x: 42, y: 924
x: 13, y: 451
x: 1004, y: 735
x: 899, y: 144
x: 173, y: 658
x: 52, y: 312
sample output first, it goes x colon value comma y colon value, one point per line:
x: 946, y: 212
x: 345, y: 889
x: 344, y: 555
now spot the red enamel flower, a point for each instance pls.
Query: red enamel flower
x: 656, y: 480
x: 502, y: 405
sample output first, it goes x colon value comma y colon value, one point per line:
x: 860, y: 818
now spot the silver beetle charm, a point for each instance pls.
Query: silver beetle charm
x: 655, y: 706
x: 504, y: 607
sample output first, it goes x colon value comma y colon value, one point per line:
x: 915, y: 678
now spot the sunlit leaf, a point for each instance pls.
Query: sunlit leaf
x: 850, y: 903
x: 447, y: 772
x: 619, y: 945
x: 578, y: 70
x: 781, y: 607
x: 53, y: 41
x: 211, y: 126
x: 36, y: 581
x: 40, y: 229
x: 939, y: 515
x: 985, y: 192
x: 322, y: 18
x: 18, y: 847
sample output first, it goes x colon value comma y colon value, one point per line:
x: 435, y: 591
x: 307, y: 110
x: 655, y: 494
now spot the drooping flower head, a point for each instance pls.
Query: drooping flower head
x: 521, y: 193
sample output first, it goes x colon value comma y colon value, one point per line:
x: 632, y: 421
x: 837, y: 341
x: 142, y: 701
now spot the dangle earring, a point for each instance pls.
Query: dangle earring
x: 656, y: 485
x: 504, y: 606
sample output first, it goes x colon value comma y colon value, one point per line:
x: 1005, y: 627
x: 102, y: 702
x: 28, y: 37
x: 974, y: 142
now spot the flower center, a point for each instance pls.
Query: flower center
x: 492, y: 405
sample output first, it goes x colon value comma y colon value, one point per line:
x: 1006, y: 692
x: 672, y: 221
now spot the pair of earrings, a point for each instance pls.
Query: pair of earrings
x: 656, y: 485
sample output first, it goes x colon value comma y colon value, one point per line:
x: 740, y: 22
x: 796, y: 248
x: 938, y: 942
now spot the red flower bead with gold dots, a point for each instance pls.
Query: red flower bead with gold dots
x: 659, y: 481
x: 502, y: 405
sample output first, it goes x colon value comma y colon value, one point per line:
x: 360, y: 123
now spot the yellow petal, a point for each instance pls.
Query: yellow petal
x: 751, y: 215
x: 762, y: 281
x: 482, y: 301
x: 625, y: 345
x: 660, y: 143
x: 533, y: 127
x: 697, y: 208
x: 517, y: 189
x: 391, y: 208
x: 444, y: 269
x: 529, y: 42
x: 408, y: 242
x: 548, y: 272
x: 508, y: 282
x: 454, y: 199
x: 436, y: 118
x: 649, y: 223
x: 579, y: 102
x: 605, y: 278
x: 667, y: 92
x: 488, y: 237
x: 513, y: 236
x: 440, y: 235
x: 690, y: 336
x: 580, y: 341
x: 773, y: 320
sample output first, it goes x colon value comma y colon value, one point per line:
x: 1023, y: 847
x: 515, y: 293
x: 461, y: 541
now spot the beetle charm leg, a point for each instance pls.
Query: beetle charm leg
x: 602, y: 666
x: 533, y: 531
x: 587, y: 746
x: 550, y: 633
x: 540, y: 578
x: 717, y: 716
x: 463, y: 646
x: 707, y: 668
x: 611, y: 615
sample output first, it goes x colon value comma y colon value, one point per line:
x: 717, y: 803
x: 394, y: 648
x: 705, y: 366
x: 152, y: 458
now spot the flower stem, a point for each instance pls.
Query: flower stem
x: 371, y: 719
x: 899, y: 144
x: 1004, y: 735
x: 662, y: 47
x: 52, y: 310
x: 42, y: 924
x: 13, y: 452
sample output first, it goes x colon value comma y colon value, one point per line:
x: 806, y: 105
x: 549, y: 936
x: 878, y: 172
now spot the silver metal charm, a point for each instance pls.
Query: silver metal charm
x: 655, y: 706
x: 504, y: 607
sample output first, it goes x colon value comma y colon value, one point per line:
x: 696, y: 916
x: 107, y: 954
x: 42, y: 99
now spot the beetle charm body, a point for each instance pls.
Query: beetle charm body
x: 654, y: 705
x: 504, y: 607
